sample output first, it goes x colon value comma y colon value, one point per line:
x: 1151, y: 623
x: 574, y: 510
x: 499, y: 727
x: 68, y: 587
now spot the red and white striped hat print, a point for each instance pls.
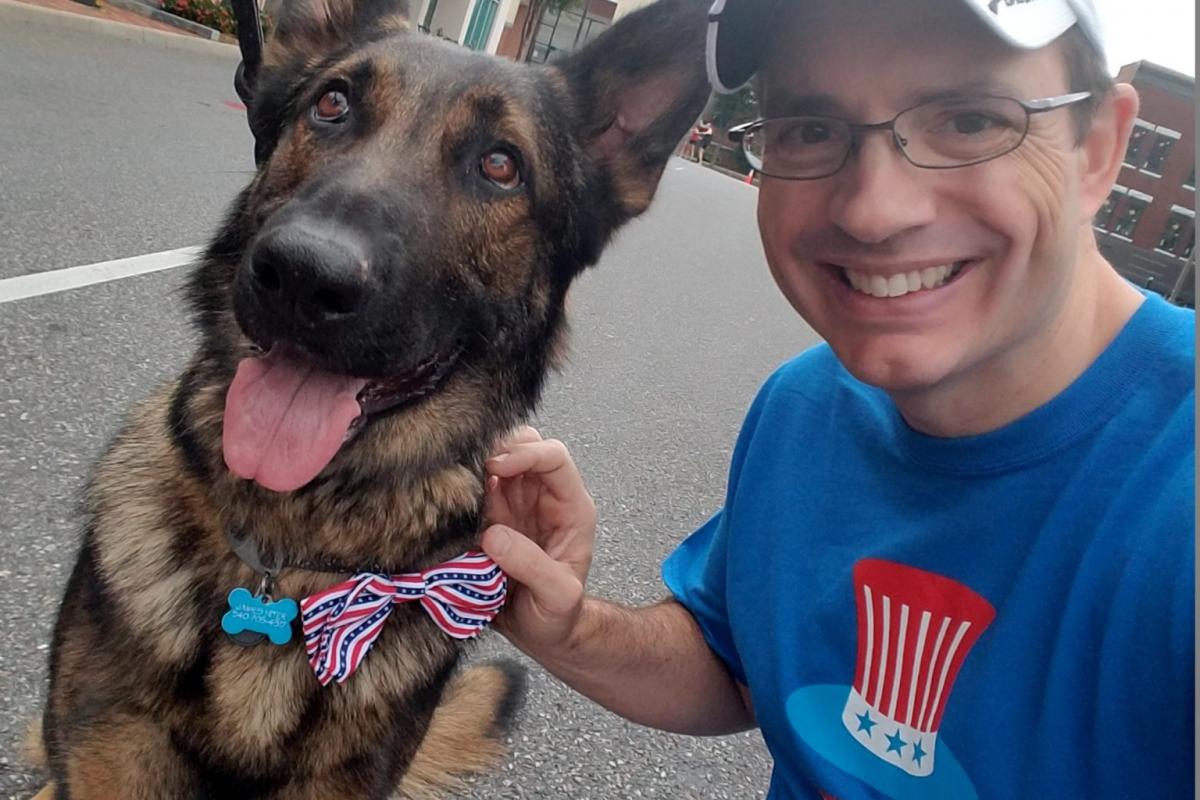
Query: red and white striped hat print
x: 915, y: 629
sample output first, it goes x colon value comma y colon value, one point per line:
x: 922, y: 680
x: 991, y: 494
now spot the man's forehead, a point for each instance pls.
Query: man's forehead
x: 791, y: 99
x: 826, y: 58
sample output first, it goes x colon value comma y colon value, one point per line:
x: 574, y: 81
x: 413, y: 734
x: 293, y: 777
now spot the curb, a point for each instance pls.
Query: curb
x: 158, y: 15
x: 728, y: 173
x: 24, y: 13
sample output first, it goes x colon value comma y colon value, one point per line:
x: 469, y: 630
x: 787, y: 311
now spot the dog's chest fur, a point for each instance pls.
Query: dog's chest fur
x: 163, y: 556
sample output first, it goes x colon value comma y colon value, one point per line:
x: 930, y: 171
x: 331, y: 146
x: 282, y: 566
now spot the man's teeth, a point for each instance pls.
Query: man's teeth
x: 901, y: 283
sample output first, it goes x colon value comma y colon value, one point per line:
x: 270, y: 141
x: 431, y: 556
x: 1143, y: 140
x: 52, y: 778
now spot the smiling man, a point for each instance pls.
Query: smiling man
x: 956, y: 554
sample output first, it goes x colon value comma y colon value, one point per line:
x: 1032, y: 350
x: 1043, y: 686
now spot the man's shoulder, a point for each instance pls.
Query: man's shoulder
x: 800, y: 393
x: 818, y: 376
x: 1161, y: 350
x: 816, y: 364
x: 1169, y: 329
x: 1179, y: 347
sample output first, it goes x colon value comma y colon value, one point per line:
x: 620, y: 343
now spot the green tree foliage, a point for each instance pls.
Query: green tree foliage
x: 728, y: 110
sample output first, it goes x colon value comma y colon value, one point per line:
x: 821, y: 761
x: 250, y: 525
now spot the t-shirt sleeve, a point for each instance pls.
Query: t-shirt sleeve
x: 695, y: 575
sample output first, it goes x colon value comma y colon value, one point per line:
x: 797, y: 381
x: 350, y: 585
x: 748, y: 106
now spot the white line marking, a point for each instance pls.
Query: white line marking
x: 60, y: 280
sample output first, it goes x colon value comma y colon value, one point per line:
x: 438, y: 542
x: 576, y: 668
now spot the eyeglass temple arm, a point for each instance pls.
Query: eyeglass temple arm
x: 1050, y: 103
x: 736, y: 133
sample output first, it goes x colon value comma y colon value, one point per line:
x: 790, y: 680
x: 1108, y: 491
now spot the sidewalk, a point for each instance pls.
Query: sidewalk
x: 109, y: 13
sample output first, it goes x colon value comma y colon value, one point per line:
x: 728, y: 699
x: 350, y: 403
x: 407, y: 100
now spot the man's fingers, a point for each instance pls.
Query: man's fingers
x: 525, y: 434
x: 547, y: 459
x: 522, y: 435
x: 496, y: 508
x: 553, y: 585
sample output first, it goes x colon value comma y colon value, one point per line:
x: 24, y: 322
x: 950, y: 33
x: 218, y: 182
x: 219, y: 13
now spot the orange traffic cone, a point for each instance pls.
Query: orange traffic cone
x: 749, y: 178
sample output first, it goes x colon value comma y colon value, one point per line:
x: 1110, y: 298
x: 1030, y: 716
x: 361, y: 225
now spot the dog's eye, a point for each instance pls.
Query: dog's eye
x: 500, y: 167
x: 333, y: 106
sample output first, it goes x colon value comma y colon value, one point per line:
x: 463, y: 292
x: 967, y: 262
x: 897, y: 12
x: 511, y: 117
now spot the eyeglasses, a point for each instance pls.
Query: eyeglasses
x: 942, y: 134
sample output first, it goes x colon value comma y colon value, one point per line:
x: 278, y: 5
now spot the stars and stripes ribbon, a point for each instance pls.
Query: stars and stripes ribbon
x: 341, y: 623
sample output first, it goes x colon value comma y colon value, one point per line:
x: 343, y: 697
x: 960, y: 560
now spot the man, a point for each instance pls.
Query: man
x: 956, y: 554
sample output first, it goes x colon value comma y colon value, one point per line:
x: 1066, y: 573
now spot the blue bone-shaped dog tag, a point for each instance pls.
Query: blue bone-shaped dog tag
x: 249, y: 613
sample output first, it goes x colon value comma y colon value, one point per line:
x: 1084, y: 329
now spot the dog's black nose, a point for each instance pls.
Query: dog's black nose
x: 311, y: 272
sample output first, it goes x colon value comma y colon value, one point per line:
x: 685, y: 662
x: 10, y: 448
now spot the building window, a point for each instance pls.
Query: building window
x: 1186, y: 252
x: 1172, y: 233
x: 479, y: 30
x: 1141, y: 133
x: 1104, y: 215
x: 429, y: 12
x: 1127, y: 220
x: 1190, y: 183
x: 565, y: 30
x: 1160, y: 147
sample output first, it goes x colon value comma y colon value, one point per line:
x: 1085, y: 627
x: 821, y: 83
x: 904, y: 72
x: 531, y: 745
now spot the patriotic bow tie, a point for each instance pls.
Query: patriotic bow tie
x: 341, y: 623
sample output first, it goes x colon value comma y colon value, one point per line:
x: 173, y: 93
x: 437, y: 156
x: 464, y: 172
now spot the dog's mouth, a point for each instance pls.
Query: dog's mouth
x: 285, y: 419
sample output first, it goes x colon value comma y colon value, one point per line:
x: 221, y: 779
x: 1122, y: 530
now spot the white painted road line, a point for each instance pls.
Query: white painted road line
x: 60, y: 280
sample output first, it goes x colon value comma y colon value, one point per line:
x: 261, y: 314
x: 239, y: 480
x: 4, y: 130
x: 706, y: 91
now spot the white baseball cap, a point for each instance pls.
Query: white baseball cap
x: 738, y: 29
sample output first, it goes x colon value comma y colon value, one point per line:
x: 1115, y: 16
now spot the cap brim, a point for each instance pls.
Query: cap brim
x: 737, y: 32
x: 1027, y: 26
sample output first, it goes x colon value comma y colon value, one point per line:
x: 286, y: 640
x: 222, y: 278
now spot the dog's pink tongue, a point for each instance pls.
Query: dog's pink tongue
x: 285, y: 421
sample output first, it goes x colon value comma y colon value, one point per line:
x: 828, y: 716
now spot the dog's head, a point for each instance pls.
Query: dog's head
x: 395, y: 273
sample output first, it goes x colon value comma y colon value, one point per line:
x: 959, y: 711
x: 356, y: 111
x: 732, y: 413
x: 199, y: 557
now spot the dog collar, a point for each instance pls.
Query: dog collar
x: 341, y: 623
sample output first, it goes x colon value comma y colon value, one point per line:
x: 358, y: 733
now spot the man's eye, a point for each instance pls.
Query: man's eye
x: 973, y: 122
x: 814, y: 132
x: 802, y: 133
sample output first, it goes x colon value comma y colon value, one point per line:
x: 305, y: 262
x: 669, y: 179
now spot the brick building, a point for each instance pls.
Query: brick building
x: 561, y: 30
x: 1147, y: 227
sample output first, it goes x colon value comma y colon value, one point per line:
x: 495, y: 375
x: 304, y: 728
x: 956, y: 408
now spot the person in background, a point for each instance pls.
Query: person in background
x: 704, y: 129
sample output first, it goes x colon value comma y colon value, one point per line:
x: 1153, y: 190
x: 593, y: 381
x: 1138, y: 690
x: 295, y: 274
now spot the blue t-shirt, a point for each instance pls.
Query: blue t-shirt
x: 999, y: 616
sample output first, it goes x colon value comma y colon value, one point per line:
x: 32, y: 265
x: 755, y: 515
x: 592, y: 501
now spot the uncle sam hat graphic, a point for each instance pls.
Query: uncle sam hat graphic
x: 915, y: 630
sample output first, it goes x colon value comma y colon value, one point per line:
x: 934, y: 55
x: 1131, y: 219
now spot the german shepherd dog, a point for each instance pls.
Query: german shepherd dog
x: 382, y: 303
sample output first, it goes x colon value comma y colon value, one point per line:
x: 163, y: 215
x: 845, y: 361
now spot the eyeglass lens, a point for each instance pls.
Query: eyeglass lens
x: 945, y: 133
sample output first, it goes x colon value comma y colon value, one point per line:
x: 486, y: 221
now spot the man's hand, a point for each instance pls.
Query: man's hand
x: 542, y: 524
x: 650, y: 665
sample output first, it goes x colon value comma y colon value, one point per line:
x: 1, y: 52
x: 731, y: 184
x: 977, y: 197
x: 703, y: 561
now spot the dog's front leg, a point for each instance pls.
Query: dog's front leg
x: 337, y: 785
x: 121, y: 756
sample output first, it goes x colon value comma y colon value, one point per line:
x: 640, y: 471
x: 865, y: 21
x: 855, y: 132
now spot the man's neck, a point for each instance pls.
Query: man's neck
x: 1031, y: 374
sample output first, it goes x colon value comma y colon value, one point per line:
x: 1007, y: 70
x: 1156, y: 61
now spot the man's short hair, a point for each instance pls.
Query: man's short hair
x: 1087, y: 71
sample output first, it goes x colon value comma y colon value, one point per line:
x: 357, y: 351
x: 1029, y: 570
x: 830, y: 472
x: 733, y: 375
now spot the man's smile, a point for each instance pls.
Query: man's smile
x: 899, y: 280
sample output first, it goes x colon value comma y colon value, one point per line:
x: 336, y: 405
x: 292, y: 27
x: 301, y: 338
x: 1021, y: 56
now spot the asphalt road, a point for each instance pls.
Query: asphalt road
x: 112, y: 149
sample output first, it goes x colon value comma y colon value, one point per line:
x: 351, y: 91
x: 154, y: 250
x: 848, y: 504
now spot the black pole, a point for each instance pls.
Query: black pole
x: 250, y: 41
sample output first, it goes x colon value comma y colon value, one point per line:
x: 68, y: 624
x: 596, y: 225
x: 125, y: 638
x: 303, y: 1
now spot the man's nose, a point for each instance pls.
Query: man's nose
x: 878, y: 193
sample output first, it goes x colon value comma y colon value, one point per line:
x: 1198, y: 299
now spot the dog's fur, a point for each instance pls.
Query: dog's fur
x: 148, y: 698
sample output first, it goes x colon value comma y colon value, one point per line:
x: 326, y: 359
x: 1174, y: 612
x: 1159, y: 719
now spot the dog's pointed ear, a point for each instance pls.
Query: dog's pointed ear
x: 639, y: 87
x: 311, y: 30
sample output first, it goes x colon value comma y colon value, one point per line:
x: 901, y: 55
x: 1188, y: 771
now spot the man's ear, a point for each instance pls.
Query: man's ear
x: 638, y: 89
x: 1104, y: 147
